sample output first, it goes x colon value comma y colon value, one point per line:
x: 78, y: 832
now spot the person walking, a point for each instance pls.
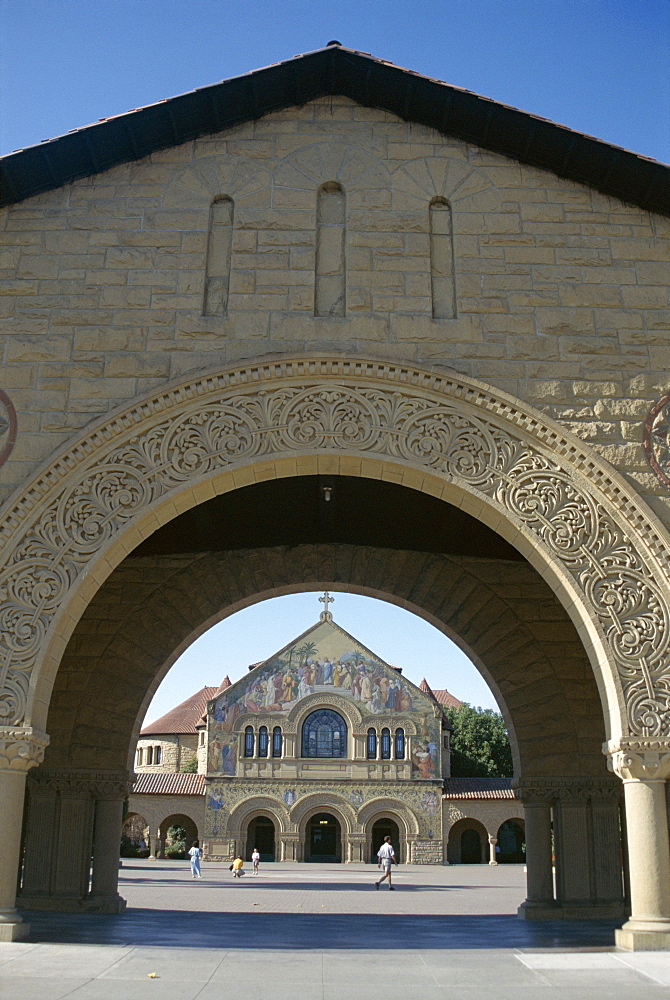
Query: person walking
x: 255, y: 857
x: 238, y: 868
x: 195, y: 854
x: 385, y: 858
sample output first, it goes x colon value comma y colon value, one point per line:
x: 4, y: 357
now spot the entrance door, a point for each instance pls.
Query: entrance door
x: 385, y: 828
x: 323, y: 839
x: 261, y: 834
x: 471, y: 848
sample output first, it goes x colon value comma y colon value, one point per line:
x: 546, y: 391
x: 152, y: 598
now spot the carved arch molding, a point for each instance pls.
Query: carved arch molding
x: 579, y: 515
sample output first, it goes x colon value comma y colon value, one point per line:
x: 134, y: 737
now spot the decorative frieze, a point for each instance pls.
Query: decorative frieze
x: 580, y: 517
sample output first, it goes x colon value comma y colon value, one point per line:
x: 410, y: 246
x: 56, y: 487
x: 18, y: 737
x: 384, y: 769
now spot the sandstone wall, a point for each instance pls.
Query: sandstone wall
x: 561, y: 293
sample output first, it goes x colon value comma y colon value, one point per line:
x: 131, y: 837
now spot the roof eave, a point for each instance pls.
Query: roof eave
x: 330, y: 72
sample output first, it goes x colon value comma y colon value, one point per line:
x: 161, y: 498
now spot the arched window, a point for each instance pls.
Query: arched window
x: 386, y: 744
x: 324, y: 734
x: 263, y: 741
x: 249, y: 742
x: 219, y: 251
x: 157, y: 755
x: 442, y: 269
x: 331, y: 236
x: 372, y: 744
x: 400, y: 744
x: 276, y: 741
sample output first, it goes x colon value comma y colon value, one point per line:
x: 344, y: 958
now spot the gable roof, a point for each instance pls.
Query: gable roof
x: 184, y: 718
x: 331, y: 71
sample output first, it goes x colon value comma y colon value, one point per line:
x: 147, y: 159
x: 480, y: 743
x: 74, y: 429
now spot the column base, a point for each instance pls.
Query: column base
x: 13, y: 928
x: 105, y: 904
x: 572, y: 911
x: 539, y: 911
x: 644, y: 935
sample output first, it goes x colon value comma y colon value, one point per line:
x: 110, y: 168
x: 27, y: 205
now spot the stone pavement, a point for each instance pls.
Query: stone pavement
x: 322, y: 932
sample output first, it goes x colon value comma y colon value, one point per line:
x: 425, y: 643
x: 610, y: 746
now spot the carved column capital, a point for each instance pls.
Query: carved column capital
x: 84, y: 784
x: 21, y: 748
x: 639, y: 760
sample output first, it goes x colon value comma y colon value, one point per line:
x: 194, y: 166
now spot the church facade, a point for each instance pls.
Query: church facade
x: 316, y: 755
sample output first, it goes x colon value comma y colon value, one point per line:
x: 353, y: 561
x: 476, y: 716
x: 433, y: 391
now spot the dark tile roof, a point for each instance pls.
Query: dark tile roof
x: 169, y: 784
x: 184, y: 718
x: 371, y: 82
x: 478, y: 788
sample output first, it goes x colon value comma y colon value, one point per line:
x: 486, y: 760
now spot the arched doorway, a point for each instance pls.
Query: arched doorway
x: 382, y: 828
x: 512, y: 842
x: 261, y: 834
x: 323, y: 839
x: 502, y: 435
x: 177, y: 834
x: 468, y: 843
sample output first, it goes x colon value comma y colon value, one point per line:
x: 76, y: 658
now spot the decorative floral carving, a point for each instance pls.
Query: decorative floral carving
x: 8, y: 427
x: 545, y: 483
x: 21, y: 749
x: 656, y: 439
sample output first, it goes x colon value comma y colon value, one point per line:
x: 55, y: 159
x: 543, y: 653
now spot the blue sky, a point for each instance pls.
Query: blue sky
x: 598, y: 66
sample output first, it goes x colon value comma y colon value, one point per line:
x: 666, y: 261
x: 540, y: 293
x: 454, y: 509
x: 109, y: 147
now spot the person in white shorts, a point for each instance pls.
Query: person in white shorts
x: 255, y: 857
x: 385, y: 858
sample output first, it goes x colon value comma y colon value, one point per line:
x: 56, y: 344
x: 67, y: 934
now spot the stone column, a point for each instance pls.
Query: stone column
x: 644, y: 766
x: 492, y: 850
x: 104, y: 896
x: 153, y: 843
x: 20, y: 750
x: 539, y: 901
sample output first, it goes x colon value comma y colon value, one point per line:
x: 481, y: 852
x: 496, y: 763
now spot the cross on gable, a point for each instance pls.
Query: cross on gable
x: 325, y: 615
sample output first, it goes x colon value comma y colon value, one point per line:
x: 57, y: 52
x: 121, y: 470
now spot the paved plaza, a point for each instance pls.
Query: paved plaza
x: 322, y: 932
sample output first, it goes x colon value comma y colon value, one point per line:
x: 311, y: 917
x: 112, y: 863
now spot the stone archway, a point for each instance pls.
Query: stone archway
x: 573, y: 518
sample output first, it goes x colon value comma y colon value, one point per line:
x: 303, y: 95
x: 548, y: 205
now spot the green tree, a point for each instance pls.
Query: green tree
x: 190, y: 766
x: 480, y: 745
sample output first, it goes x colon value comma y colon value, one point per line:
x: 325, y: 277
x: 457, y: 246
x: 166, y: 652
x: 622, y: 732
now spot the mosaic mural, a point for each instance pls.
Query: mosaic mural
x: 326, y: 660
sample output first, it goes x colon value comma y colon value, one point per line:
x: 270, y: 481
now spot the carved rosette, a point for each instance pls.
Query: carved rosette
x: 544, y: 482
x: 21, y: 749
x: 656, y: 439
x: 8, y: 427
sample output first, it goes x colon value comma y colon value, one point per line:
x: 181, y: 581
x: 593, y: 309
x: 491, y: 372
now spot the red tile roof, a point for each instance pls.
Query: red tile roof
x: 169, y: 784
x: 184, y: 718
x: 478, y: 788
x: 441, y: 695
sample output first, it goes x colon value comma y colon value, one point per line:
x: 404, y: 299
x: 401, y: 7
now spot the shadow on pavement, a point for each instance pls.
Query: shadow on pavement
x: 277, y: 931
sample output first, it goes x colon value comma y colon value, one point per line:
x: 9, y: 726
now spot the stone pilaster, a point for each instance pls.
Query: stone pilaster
x: 109, y: 798
x: 537, y: 802
x: 644, y: 767
x: 20, y: 750
x: 492, y: 850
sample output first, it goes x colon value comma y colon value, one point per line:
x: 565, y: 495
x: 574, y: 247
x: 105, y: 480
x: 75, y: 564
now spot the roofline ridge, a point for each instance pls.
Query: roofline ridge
x: 337, y: 70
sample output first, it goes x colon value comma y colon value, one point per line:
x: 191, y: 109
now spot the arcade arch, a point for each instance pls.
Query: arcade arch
x: 597, y: 547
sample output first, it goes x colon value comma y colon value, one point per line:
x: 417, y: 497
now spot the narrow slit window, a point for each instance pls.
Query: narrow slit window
x: 157, y: 755
x: 442, y: 268
x: 248, y: 742
x: 150, y: 755
x: 400, y: 744
x: 219, y: 255
x: 330, y: 271
x: 386, y: 744
x: 372, y: 744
